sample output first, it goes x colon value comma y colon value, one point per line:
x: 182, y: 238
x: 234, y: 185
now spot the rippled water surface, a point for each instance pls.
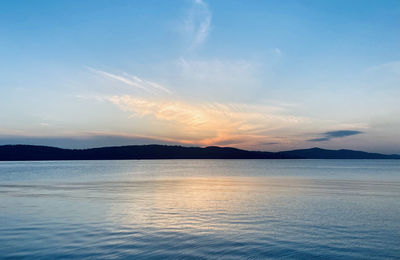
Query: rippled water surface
x: 200, y: 209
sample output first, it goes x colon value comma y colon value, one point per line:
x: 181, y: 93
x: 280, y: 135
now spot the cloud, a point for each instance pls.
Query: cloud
x: 198, y: 23
x: 278, y: 51
x: 389, y: 67
x: 191, y: 115
x: 207, y: 123
x: 218, y: 79
x: 383, y: 77
x: 269, y: 143
x: 134, y: 81
x: 327, y: 136
x: 319, y: 139
x: 342, y: 133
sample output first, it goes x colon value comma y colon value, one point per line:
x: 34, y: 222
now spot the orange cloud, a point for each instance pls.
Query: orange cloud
x: 209, y: 123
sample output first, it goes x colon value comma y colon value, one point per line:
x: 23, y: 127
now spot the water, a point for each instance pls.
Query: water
x: 200, y: 209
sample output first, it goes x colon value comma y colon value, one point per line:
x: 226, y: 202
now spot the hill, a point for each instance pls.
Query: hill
x: 318, y: 153
x: 34, y: 152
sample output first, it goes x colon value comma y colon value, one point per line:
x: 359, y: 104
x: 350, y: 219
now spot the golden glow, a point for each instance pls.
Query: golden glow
x: 208, y: 123
x: 189, y: 203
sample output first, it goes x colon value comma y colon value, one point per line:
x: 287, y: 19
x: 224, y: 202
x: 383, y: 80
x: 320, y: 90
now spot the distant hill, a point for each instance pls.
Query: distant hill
x: 318, y: 153
x: 34, y: 152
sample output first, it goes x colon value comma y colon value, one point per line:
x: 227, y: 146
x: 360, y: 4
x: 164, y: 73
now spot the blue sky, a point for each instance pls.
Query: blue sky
x: 265, y: 75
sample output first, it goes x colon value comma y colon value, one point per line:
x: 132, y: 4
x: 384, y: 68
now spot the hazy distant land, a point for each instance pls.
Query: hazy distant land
x: 34, y: 152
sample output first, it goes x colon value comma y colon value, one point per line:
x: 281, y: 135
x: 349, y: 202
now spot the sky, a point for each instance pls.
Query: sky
x: 258, y: 75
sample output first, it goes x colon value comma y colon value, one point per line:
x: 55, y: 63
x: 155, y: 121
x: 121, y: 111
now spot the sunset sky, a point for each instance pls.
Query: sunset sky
x: 259, y: 75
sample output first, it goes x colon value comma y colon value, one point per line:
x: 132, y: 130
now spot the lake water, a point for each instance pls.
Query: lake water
x: 200, y: 209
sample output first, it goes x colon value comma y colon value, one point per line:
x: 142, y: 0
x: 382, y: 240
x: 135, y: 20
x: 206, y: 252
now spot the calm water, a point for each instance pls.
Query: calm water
x: 201, y: 209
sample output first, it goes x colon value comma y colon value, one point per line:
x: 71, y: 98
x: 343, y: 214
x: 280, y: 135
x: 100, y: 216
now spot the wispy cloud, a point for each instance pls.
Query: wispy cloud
x: 208, y: 123
x: 269, y: 143
x: 193, y: 117
x: 134, y: 81
x: 198, y: 23
x: 384, y: 76
x: 390, y: 67
x: 217, y: 79
x: 278, y: 51
x: 327, y: 136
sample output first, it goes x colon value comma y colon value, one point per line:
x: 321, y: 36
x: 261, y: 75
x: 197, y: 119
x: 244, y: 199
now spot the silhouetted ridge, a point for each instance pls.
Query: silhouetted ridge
x: 34, y: 152
x: 318, y: 153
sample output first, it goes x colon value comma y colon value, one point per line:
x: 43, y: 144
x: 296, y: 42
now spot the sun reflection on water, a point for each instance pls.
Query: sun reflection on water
x: 202, y: 204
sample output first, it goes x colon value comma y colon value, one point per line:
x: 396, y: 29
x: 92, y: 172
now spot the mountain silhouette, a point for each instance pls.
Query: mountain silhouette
x: 35, y: 152
x: 318, y: 153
